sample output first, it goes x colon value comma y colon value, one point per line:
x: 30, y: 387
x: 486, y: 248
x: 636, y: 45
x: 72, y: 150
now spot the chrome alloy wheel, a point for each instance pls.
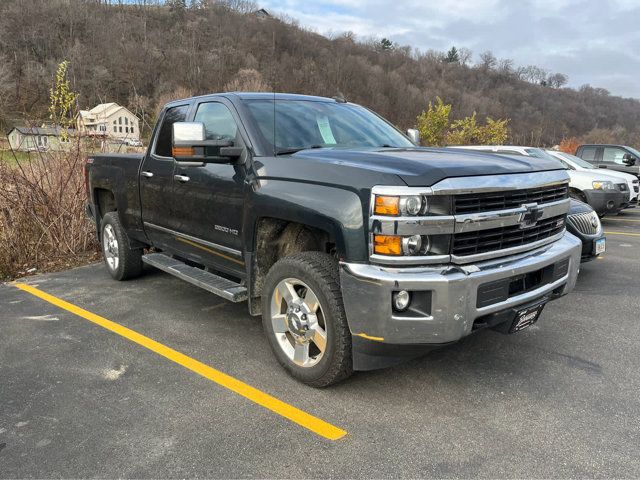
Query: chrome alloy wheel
x: 110, y: 247
x: 298, y: 322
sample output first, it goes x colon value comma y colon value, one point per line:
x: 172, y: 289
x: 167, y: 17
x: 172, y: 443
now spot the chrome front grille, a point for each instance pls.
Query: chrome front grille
x: 473, y: 219
x: 491, y: 201
x: 587, y: 223
x: 494, y: 239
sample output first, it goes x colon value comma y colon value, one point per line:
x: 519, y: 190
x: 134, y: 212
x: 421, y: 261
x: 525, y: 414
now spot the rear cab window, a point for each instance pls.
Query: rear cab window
x: 588, y: 153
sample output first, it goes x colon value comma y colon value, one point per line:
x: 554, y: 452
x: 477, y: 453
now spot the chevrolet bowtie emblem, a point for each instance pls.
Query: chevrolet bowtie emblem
x: 530, y: 216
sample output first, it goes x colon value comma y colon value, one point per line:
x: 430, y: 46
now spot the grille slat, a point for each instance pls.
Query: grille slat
x: 483, y: 241
x: 584, y: 222
x: 486, y: 202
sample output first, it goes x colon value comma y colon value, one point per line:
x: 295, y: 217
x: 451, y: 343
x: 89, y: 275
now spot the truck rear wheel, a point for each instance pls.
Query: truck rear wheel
x: 304, y: 319
x: 121, y: 260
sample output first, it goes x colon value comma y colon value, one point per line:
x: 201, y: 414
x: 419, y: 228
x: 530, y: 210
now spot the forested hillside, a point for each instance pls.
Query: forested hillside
x: 143, y: 54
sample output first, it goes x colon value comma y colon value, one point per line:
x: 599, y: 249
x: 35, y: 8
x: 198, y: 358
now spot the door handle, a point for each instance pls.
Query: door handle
x: 147, y: 174
x: 182, y: 178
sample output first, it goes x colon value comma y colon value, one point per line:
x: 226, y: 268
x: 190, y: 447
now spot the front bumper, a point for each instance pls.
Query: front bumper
x: 367, y: 292
x: 606, y: 201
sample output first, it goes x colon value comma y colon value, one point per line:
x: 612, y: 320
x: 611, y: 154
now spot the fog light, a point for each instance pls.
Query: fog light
x: 401, y: 300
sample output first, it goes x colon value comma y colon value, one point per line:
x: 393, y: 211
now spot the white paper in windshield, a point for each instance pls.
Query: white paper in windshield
x: 325, y: 130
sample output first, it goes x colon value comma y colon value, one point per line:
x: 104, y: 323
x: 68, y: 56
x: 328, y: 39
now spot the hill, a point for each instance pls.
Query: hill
x: 142, y: 54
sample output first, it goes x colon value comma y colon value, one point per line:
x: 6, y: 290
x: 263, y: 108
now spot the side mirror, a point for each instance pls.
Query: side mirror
x: 190, y: 145
x: 414, y: 136
x: 629, y: 160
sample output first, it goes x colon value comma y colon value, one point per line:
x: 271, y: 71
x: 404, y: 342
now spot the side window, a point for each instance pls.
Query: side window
x: 588, y: 154
x: 218, y: 121
x: 164, y: 141
x: 613, y: 155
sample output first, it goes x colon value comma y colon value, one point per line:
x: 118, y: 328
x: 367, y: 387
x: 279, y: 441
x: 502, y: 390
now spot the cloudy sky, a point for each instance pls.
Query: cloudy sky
x: 592, y: 41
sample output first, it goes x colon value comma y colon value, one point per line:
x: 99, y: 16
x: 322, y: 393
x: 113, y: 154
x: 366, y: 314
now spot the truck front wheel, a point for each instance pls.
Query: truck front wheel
x: 304, y: 320
x: 122, y: 261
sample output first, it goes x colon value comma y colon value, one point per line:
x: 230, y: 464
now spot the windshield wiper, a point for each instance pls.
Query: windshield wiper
x: 289, y: 151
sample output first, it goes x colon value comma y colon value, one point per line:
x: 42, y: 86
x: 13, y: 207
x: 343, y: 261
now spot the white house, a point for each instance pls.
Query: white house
x: 109, y: 120
x: 32, y: 139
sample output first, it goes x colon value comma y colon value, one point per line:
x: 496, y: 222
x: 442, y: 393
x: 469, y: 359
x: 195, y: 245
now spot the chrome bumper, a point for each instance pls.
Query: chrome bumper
x: 367, y: 291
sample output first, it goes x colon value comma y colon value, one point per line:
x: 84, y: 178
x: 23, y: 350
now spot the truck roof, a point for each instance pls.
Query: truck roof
x: 256, y: 96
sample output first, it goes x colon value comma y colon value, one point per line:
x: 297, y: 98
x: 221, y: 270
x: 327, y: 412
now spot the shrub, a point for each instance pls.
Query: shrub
x: 42, y: 210
x: 569, y: 145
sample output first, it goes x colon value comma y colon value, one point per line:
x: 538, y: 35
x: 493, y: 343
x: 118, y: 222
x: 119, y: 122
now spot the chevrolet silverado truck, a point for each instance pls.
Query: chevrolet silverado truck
x: 358, y: 248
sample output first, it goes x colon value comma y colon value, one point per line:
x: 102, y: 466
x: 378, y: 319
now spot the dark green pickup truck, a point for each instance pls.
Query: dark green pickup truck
x: 358, y: 248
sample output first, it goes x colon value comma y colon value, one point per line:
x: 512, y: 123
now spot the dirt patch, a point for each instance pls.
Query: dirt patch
x: 56, y: 265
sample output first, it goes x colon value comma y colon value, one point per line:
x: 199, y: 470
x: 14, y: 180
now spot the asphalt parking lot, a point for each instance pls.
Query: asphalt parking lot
x: 80, y: 400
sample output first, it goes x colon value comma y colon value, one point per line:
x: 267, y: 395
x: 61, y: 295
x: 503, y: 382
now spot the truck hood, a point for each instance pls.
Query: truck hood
x: 425, y: 166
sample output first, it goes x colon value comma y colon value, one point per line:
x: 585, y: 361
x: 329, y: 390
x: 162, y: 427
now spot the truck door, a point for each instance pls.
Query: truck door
x: 614, y: 158
x: 156, y: 180
x: 208, y: 199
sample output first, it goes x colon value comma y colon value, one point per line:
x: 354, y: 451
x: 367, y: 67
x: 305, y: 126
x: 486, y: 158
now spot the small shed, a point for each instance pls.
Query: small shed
x: 32, y: 139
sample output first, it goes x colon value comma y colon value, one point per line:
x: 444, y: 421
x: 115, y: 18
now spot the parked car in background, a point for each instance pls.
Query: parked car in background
x: 132, y: 142
x: 605, y: 194
x: 584, y: 223
x: 576, y: 163
x: 614, y: 157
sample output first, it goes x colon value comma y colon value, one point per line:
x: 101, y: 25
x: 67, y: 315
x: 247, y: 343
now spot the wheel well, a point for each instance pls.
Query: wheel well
x: 276, y: 239
x: 576, y: 192
x: 106, y: 201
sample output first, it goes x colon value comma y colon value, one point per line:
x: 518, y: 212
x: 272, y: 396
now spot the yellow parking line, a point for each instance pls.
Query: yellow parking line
x: 290, y: 412
x: 623, y: 233
x: 621, y: 219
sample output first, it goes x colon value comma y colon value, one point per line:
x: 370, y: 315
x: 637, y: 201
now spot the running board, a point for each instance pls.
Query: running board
x: 221, y: 286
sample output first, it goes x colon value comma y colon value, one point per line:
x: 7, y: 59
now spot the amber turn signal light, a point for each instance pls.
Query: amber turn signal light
x: 387, y: 205
x: 387, y: 245
x: 183, y: 152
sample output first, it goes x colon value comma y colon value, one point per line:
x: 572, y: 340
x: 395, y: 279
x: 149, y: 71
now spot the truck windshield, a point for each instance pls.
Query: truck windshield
x: 635, y: 152
x: 302, y: 124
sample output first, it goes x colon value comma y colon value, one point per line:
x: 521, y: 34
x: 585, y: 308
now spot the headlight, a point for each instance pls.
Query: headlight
x: 401, y: 245
x: 391, y: 205
x: 603, y: 185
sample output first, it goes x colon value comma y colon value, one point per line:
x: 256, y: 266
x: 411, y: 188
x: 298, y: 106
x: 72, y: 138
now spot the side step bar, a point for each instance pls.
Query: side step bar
x: 221, y: 286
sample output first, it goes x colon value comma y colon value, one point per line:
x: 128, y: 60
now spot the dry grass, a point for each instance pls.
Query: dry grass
x: 42, y: 212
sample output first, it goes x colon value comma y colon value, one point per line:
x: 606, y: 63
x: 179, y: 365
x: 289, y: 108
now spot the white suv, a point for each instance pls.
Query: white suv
x: 576, y: 163
x: 603, y: 191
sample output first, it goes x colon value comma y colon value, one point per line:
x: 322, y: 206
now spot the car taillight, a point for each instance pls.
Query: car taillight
x: 86, y: 176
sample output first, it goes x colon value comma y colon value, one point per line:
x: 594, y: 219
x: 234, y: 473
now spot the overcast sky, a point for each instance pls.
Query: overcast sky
x: 592, y: 41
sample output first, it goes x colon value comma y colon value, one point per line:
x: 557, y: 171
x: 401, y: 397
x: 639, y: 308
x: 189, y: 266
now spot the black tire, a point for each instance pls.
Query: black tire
x: 320, y: 272
x: 129, y: 263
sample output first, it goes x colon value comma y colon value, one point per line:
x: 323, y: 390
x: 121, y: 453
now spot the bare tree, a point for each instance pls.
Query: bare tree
x: 557, y: 80
x: 465, y: 55
x: 488, y: 60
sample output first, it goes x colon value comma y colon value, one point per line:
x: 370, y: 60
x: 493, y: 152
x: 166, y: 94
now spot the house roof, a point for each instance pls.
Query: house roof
x: 48, y: 131
x: 101, y: 112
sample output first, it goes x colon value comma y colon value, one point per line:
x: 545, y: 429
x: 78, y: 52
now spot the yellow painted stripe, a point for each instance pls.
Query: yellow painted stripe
x: 623, y: 233
x: 369, y: 337
x: 290, y: 412
x: 606, y: 219
x: 210, y: 250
